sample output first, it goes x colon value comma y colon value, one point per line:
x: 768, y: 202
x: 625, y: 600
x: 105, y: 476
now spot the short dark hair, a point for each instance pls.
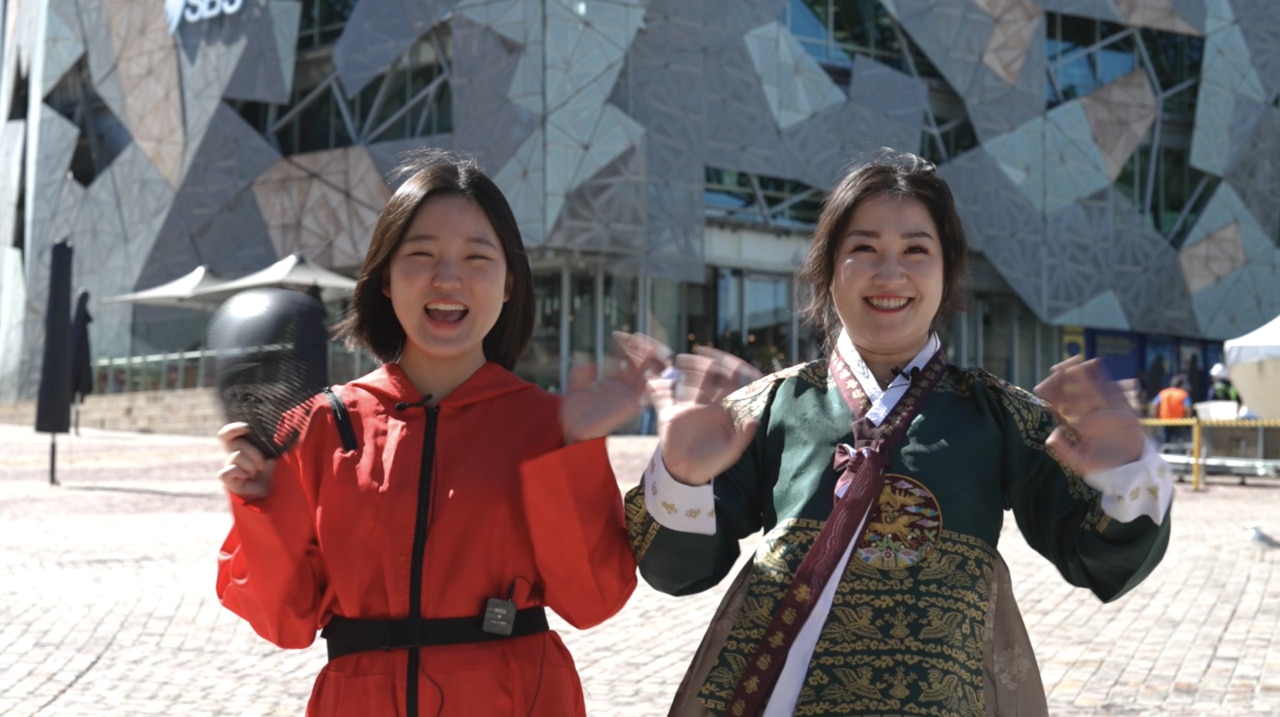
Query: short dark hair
x: 887, y: 174
x: 1179, y: 381
x: 371, y: 322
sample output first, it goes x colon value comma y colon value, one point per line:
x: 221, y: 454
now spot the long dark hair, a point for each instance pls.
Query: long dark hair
x: 895, y: 175
x: 430, y: 173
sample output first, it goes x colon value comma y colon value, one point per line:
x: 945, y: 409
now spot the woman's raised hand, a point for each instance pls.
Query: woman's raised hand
x: 246, y: 472
x: 698, y: 434
x: 1097, y: 429
x: 593, y: 407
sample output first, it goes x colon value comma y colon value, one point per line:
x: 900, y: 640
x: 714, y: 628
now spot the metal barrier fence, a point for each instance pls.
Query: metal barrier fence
x: 196, y: 369
x: 1210, y: 453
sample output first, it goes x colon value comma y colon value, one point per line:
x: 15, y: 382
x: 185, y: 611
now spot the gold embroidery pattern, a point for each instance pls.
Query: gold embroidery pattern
x: 896, y: 641
x: 776, y: 560
x: 906, y: 641
x: 641, y: 527
x: 902, y: 527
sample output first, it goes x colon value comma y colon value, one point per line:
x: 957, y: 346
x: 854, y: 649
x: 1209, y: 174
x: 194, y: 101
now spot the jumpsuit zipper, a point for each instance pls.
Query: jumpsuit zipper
x: 419, y: 552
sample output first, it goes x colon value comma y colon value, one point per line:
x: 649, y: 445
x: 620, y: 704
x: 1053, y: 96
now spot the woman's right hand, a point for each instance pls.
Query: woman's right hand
x: 698, y: 435
x: 246, y: 473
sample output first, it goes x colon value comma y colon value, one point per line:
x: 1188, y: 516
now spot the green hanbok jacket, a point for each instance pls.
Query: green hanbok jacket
x: 913, y: 615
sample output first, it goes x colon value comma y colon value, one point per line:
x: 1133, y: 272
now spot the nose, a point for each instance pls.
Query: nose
x: 889, y: 270
x: 447, y: 274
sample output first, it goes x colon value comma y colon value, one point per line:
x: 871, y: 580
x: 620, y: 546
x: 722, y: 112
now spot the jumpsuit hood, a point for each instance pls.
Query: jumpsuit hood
x: 390, y: 384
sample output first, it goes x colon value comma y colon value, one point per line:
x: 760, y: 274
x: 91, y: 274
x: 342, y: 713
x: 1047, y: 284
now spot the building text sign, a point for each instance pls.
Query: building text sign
x: 175, y: 11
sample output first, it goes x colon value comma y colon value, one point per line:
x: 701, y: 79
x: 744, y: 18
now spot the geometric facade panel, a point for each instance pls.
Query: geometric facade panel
x: 1120, y: 115
x: 1154, y: 14
x: 323, y: 205
x: 1213, y: 257
x: 378, y: 32
x: 147, y: 66
x: 795, y: 87
x: 599, y: 121
x: 1017, y: 24
x: 1227, y: 73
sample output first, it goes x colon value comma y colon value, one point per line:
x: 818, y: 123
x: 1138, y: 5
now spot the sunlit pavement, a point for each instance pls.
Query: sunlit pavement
x: 107, y: 604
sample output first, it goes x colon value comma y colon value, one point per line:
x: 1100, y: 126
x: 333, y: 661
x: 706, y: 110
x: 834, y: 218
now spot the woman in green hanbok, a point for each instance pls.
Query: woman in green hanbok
x: 880, y: 477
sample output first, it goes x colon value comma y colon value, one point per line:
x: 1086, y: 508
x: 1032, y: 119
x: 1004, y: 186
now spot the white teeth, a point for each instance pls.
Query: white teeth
x: 446, y: 306
x: 896, y: 303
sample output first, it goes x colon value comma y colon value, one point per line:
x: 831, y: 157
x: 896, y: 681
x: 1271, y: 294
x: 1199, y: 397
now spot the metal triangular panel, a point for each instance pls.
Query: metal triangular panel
x: 607, y: 213
x: 1101, y: 312
x: 102, y: 55
x: 207, y: 57
x: 265, y: 70
x: 953, y: 34
x: 522, y: 181
x: 147, y: 67
x: 1256, y: 175
x: 13, y: 137
x: 1260, y: 26
x: 231, y: 156
x: 387, y: 156
x: 62, y: 48
x: 1194, y: 13
x: 895, y: 93
x: 990, y: 206
x: 517, y: 20
x: 378, y: 32
x: 323, y: 205
x: 55, y: 140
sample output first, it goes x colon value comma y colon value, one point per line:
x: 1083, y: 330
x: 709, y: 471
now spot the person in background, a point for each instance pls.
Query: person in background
x: 1222, y: 388
x: 1173, y: 402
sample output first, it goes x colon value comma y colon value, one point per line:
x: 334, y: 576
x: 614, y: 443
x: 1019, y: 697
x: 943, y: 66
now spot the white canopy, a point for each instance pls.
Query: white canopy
x: 292, y: 272
x: 1257, y: 345
x: 183, y: 292
x: 1253, y: 362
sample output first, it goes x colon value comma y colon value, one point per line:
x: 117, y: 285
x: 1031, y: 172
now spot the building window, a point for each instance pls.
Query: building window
x: 1085, y: 54
x: 834, y: 31
x: 759, y: 199
x: 411, y: 99
x: 322, y: 22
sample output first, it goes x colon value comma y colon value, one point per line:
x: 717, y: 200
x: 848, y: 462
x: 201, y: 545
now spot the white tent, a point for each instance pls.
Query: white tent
x: 1253, y: 362
x: 183, y: 292
x: 291, y: 272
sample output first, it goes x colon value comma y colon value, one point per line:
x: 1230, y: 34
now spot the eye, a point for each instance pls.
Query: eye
x: 917, y: 249
x: 861, y: 247
x: 480, y: 257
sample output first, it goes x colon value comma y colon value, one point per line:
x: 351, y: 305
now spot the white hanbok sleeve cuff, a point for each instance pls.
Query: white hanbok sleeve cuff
x: 1144, y: 487
x: 686, y: 508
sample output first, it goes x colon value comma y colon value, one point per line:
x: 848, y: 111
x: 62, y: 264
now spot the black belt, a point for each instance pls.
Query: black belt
x: 346, y: 636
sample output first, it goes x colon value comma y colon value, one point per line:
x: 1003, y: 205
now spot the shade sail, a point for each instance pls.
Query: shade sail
x: 182, y: 292
x: 291, y: 272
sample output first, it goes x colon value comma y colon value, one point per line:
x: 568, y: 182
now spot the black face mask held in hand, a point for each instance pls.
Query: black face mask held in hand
x: 271, y: 359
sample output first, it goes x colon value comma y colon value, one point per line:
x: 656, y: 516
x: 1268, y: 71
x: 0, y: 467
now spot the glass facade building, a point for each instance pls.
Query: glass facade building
x: 1113, y: 161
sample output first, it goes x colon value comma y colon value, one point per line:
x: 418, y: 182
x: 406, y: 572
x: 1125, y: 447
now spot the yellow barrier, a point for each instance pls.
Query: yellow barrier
x: 1197, y: 426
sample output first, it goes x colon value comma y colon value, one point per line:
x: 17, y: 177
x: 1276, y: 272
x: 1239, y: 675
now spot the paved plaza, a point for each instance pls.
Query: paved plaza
x: 107, y: 603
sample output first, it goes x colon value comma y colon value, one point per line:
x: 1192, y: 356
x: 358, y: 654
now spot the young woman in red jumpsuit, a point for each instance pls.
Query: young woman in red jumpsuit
x: 467, y: 484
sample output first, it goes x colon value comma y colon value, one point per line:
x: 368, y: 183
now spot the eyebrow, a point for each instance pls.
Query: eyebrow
x: 483, y: 241
x: 868, y: 233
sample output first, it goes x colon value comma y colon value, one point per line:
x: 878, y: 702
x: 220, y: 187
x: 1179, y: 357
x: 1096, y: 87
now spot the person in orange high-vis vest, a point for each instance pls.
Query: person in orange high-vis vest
x: 1173, y: 402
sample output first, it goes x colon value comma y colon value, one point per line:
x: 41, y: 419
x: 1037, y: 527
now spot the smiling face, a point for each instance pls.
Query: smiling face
x: 888, y: 278
x: 447, y: 281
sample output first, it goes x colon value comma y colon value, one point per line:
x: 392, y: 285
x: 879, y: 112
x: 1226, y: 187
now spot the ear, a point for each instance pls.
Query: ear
x: 386, y: 283
x: 506, y: 291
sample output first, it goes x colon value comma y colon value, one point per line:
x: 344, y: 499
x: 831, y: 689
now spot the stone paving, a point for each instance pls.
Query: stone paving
x: 107, y: 604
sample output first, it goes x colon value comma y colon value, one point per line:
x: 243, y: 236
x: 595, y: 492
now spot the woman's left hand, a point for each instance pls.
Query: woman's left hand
x: 593, y: 407
x: 1097, y: 428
